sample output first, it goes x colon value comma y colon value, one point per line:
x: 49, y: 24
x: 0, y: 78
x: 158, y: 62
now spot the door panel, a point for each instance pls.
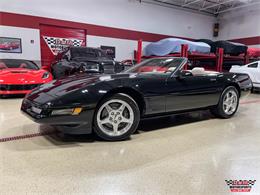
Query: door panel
x: 192, y: 92
x: 55, y: 38
x: 155, y: 93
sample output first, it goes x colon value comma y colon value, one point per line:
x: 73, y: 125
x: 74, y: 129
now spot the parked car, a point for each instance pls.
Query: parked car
x: 75, y: 60
x: 112, y: 105
x: 252, y: 69
x: 20, y: 76
x: 231, y: 48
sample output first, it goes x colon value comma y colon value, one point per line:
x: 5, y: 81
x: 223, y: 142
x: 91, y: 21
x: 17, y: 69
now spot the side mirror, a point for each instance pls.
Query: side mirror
x: 183, y: 74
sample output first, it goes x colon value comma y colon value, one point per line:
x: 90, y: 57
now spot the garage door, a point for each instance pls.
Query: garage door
x: 54, y: 39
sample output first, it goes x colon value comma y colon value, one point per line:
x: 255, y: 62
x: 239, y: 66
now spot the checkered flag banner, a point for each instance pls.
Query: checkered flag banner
x: 251, y: 182
x: 240, y: 182
x: 57, y: 44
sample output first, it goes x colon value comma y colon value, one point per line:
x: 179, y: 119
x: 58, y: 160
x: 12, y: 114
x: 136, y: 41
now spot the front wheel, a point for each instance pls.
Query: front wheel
x: 228, y: 103
x: 116, y: 118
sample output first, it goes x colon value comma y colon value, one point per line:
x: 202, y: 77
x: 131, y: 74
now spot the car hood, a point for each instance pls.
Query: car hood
x: 58, y: 88
x: 73, y: 83
x: 21, y: 76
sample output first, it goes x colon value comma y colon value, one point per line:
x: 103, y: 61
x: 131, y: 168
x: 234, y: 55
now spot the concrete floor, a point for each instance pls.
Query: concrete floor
x: 186, y: 154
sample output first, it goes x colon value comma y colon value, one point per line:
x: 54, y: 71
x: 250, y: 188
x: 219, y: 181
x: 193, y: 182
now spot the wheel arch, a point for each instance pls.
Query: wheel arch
x: 236, y: 86
x: 137, y: 96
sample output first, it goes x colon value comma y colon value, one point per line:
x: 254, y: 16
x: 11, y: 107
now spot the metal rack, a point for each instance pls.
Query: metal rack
x: 218, y: 58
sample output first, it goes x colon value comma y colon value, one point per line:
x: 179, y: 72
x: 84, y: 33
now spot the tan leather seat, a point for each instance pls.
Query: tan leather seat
x: 198, y: 71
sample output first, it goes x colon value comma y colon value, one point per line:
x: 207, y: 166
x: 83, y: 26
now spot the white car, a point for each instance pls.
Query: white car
x: 252, y: 69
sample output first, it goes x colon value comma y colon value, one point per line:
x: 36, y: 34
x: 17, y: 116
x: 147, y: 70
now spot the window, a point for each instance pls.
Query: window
x: 157, y: 66
x: 254, y: 65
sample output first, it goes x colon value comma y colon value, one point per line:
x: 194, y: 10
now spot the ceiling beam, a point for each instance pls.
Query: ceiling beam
x: 237, y: 7
x: 217, y: 4
x: 171, y: 5
x: 189, y: 3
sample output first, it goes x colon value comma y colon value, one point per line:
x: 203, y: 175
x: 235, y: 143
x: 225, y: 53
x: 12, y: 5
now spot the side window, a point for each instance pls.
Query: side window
x: 254, y: 65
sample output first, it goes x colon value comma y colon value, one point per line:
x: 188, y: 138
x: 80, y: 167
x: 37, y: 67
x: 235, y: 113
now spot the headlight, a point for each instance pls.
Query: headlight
x: 70, y: 111
x: 46, y: 75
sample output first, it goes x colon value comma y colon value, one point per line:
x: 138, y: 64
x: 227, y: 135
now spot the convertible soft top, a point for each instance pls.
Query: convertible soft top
x: 173, y: 45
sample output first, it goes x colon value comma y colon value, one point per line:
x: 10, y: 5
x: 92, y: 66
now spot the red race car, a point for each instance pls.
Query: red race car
x: 9, y: 46
x: 21, y: 76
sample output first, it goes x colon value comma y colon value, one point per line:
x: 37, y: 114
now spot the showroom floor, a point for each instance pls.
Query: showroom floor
x: 186, y: 154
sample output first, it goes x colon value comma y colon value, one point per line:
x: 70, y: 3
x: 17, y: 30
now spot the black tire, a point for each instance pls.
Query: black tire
x: 218, y: 110
x: 132, y: 128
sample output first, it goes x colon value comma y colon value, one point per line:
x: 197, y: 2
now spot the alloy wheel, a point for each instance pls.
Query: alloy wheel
x: 230, y: 102
x: 115, y: 117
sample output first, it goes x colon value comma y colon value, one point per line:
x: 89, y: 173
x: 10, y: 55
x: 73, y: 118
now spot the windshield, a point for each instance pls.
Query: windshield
x: 84, y: 52
x: 12, y: 63
x: 157, y: 66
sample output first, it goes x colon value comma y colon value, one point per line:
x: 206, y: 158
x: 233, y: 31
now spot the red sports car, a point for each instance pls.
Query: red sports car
x: 9, y: 46
x: 20, y: 76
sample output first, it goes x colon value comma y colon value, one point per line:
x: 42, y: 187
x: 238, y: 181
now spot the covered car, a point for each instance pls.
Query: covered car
x: 21, y: 76
x: 231, y: 48
x: 173, y: 45
x: 211, y: 43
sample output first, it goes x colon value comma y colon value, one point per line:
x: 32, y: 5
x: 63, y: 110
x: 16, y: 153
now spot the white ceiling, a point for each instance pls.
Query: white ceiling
x: 211, y: 7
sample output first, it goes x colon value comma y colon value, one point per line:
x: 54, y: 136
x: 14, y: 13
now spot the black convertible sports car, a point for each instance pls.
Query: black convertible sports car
x: 112, y: 105
x: 75, y: 60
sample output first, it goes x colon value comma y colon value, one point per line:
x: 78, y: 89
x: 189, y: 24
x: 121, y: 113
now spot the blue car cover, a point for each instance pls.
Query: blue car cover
x: 173, y: 45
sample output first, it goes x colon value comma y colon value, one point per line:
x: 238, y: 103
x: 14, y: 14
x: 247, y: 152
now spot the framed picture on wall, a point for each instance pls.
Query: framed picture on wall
x: 110, y: 51
x: 10, y: 45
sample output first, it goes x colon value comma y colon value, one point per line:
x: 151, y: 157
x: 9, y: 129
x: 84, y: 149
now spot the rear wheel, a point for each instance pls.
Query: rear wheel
x: 116, y: 118
x: 228, y: 103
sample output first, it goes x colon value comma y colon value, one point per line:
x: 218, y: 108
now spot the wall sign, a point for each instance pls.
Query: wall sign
x: 10, y: 45
x: 57, y: 44
x: 110, y: 51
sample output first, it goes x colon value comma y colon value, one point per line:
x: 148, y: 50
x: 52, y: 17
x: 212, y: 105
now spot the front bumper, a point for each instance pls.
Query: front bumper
x: 9, y: 89
x: 14, y: 92
x: 70, y: 124
x: 256, y: 85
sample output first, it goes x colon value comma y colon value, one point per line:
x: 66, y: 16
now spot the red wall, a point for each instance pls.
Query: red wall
x: 20, y: 20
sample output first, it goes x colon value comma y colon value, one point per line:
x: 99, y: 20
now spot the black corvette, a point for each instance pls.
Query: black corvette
x: 112, y: 105
x: 75, y: 60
